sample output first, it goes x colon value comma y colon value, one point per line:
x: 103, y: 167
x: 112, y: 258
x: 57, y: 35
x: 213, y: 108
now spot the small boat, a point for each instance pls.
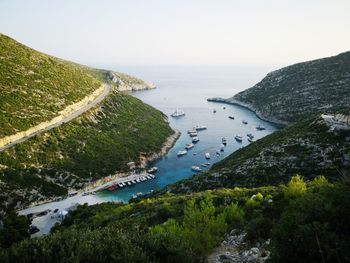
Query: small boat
x: 152, y: 176
x: 120, y: 185
x: 260, y: 128
x: 133, y: 181
x: 195, y: 139
x: 217, y: 152
x: 178, y: 113
x: 181, y: 153
x: 193, y: 134
x: 129, y: 183
x: 214, y: 111
x: 189, y: 146
x: 196, y: 168
x: 231, y: 117
x: 207, y: 155
x: 224, y: 141
x: 239, y: 138
x: 249, y: 135
x: 250, y: 140
x: 244, y: 122
x: 138, y: 180
x: 152, y: 170
x: 224, y: 108
x: 191, y: 131
x: 222, y: 147
x: 200, y: 128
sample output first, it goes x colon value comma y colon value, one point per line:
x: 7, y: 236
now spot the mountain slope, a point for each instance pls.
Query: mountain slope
x: 307, y: 148
x: 300, y: 91
x: 98, y: 143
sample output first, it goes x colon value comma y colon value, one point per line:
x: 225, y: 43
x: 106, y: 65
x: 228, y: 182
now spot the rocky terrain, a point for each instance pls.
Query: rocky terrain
x: 300, y: 91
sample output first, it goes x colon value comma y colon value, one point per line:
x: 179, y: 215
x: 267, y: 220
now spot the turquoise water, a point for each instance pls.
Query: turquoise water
x: 188, y: 89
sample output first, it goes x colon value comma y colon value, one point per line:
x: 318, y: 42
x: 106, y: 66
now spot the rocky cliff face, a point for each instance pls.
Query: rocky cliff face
x: 125, y: 82
x: 300, y: 91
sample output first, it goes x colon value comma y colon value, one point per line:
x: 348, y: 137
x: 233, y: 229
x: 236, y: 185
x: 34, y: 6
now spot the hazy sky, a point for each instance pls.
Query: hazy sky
x: 233, y: 32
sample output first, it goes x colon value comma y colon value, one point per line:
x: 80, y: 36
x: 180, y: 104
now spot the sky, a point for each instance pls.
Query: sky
x: 180, y: 32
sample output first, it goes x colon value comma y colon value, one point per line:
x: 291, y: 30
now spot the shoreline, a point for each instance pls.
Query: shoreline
x: 93, y: 186
x: 235, y: 102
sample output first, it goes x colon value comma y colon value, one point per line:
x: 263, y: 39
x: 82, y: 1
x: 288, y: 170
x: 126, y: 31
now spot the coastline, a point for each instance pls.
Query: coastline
x: 235, y: 102
x: 93, y: 186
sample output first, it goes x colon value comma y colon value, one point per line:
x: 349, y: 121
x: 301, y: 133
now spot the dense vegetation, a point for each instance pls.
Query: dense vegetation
x: 303, y: 90
x: 34, y: 87
x: 306, y: 222
x: 307, y: 148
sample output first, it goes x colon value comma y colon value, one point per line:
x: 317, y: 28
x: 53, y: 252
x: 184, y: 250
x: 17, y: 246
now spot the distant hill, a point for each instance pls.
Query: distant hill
x: 300, y: 91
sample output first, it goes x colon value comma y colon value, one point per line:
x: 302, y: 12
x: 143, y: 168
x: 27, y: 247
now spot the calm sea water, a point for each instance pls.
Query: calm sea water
x: 187, y: 88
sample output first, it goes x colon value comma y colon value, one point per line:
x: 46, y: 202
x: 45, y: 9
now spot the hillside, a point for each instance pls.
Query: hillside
x: 300, y: 91
x: 307, y: 148
x: 98, y: 143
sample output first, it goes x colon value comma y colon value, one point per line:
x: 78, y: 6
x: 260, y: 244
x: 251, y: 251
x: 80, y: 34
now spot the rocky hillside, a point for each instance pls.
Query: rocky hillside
x: 308, y: 148
x: 300, y: 91
x: 98, y: 143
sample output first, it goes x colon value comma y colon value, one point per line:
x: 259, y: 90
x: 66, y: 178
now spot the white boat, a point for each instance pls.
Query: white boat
x: 222, y: 147
x: 260, y: 128
x: 189, y: 146
x: 178, y: 113
x: 196, y: 168
x: 195, y: 139
x: 152, y: 170
x: 239, y: 138
x: 152, y: 176
x: 129, y: 183
x: 244, y: 122
x: 207, y: 155
x: 193, y: 134
x: 249, y: 135
x: 200, y: 128
x: 181, y: 153
x: 191, y: 131
x: 231, y: 117
x: 224, y: 141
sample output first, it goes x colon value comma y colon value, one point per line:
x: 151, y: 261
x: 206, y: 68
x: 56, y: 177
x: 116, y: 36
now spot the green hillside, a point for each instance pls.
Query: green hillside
x: 34, y: 87
x: 302, y: 90
x: 307, y: 148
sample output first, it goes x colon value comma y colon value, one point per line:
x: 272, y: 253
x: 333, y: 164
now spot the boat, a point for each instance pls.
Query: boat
x: 129, y: 183
x: 193, y: 134
x: 239, y: 138
x: 217, y: 152
x: 224, y: 108
x: 214, y: 111
x: 152, y: 176
x: 224, y: 141
x: 244, y: 122
x: 196, y: 168
x: 249, y: 135
x: 191, y: 131
x: 222, y: 147
x: 152, y: 170
x: 231, y: 117
x: 195, y: 139
x: 200, y: 128
x: 250, y: 140
x: 207, y: 155
x: 177, y: 113
x: 120, y: 185
x: 189, y: 146
x: 181, y: 153
x: 260, y: 128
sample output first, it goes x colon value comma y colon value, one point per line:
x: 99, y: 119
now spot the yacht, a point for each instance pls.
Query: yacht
x: 196, y: 168
x: 260, y: 128
x: 249, y: 135
x: 239, y: 138
x: 152, y: 170
x: 200, y: 128
x: 231, y: 117
x: 195, y: 139
x: 224, y: 141
x: 181, y: 153
x: 178, y: 113
x: 189, y: 146
x: 191, y: 131
x: 207, y: 155
x: 193, y: 134
x: 244, y: 122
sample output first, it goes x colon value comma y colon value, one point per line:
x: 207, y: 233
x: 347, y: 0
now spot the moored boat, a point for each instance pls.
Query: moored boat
x: 195, y: 139
x: 224, y: 141
x: 260, y: 128
x: 244, y: 122
x: 207, y: 155
x: 200, y: 128
x: 196, y: 168
x: 152, y: 170
x: 231, y: 117
x: 189, y: 146
x: 177, y: 113
x: 250, y: 140
x: 239, y: 138
x: 222, y: 147
x: 181, y: 153
x: 193, y: 134
x: 249, y: 135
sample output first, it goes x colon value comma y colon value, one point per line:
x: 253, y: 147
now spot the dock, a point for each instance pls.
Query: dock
x: 126, y: 181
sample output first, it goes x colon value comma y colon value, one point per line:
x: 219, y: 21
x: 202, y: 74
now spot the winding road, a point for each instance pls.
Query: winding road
x: 72, y: 116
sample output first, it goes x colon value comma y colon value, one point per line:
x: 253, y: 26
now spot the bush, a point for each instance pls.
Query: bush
x: 296, y: 187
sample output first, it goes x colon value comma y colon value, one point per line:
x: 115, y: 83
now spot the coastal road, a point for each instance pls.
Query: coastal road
x: 75, y: 114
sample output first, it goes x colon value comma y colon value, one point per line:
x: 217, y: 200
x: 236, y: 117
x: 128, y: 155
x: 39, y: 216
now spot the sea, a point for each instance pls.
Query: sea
x: 187, y: 88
